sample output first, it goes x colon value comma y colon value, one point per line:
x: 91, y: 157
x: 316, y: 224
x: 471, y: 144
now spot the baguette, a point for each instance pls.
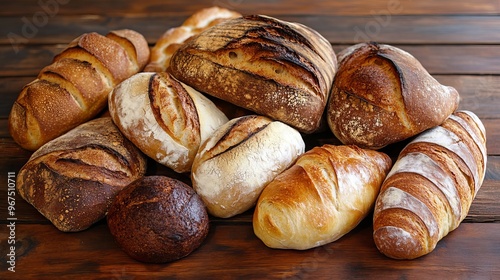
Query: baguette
x: 72, y: 180
x: 271, y: 67
x: 382, y: 95
x: 74, y: 87
x: 428, y: 192
x: 323, y: 196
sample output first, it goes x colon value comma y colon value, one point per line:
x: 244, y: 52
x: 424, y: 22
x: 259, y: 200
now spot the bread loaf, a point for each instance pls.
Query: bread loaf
x: 174, y: 37
x: 72, y: 179
x: 157, y: 219
x: 239, y: 159
x: 74, y: 88
x: 382, y: 95
x: 323, y: 196
x: 164, y: 118
x: 429, y: 190
x: 279, y: 69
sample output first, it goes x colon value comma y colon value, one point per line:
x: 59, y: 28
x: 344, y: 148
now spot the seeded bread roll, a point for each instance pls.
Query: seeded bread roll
x: 74, y: 88
x: 275, y: 68
x: 73, y: 179
x: 157, y: 219
x: 239, y: 159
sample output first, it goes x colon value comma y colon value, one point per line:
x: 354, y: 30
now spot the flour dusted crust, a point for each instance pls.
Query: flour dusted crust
x: 174, y: 37
x: 430, y: 188
x: 165, y: 118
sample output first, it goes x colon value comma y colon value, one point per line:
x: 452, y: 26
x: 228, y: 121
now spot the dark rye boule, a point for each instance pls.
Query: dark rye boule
x: 158, y: 219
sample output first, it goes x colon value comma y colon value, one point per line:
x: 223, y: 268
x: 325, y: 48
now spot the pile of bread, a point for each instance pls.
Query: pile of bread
x: 227, y: 99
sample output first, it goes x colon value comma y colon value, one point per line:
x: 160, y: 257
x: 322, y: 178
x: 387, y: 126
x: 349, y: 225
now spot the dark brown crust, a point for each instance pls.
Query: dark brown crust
x: 72, y: 179
x: 158, y: 219
x: 271, y: 67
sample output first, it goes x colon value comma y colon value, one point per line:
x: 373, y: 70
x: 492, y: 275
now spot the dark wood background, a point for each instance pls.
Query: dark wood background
x: 457, y: 41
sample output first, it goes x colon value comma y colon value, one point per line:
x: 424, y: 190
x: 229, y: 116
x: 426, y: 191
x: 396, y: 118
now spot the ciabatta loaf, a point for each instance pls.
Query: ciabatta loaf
x: 382, y: 95
x: 239, y: 159
x: 431, y: 187
x: 165, y: 118
x: 74, y: 88
x: 323, y: 196
x: 275, y: 68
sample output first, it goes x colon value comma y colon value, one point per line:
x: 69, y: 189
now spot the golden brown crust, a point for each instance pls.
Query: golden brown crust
x: 74, y: 87
x: 382, y: 95
x: 72, y: 179
x: 429, y: 190
x: 324, y: 195
x: 275, y: 68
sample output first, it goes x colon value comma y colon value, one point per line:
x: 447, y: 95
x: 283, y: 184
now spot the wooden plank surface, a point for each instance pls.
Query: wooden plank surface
x: 458, y: 42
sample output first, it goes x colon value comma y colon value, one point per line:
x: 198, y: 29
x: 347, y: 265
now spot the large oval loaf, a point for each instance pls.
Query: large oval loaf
x: 429, y: 190
x: 382, y: 95
x: 323, y: 196
x: 74, y: 88
x: 275, y: 68
x: 239, y: 159
x: 73, y: 179
x: 164, y: 118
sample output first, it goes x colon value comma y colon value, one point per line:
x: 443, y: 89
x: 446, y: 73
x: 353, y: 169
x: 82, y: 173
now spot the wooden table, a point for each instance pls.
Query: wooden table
x: 457, y: 41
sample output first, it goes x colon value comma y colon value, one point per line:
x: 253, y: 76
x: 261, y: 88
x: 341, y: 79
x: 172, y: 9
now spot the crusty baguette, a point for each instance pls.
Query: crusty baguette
x: 429, y: 190
x: 382, y: 95
x: 164, y: 118
x: 323, y: 196
x: 174, y: 37
x: 275, y: 68
x: 74, y: 87
x: 72, y: 179
x: 239, y: 159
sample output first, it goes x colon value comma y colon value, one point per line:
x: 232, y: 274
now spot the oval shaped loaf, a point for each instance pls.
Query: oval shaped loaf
x: 74, y: 88
x: 239, y: 159
x: 382, y: 95
x: 275, y: 68
x: 164, y: 118
x: 323, y: 196
x: 73, y: 179
x: 429, y: 190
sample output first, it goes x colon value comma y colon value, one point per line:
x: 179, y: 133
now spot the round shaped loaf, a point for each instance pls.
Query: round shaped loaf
x: 158, y: 219
x: 240, y: 159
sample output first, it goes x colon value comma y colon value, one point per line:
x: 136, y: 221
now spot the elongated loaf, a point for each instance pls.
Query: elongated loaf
x: 174, y: 37
x: 323, y: 196
x: 163, y: 117
x: 429, y: 190
x: 275, y: 68
x: 382, y: 95
x: 239, y: 159
x: 72, y: 179
x: 74, y: 88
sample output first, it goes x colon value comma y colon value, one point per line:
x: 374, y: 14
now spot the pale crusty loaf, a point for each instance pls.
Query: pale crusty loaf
x: 382, y: 95
x: 74, y: 88
x: 323, y: 196
x: 275, y: 68
x: 72, y: 179
x: 239, y: 159
x: 164, y: 118
x: 174, y: 37
x: 431, y: 187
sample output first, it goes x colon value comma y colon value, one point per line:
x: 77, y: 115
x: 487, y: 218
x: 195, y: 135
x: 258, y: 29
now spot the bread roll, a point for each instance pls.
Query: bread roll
x: 279, y: 69
x: 174, y: 37
x: 382, y: 95
x: 72, y: 179
x: 323, y: 196
x: 74, y: 88
x: 429, y: 190
x: 239, y: 159
x: 157, y: 219
x: 164, y: 118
